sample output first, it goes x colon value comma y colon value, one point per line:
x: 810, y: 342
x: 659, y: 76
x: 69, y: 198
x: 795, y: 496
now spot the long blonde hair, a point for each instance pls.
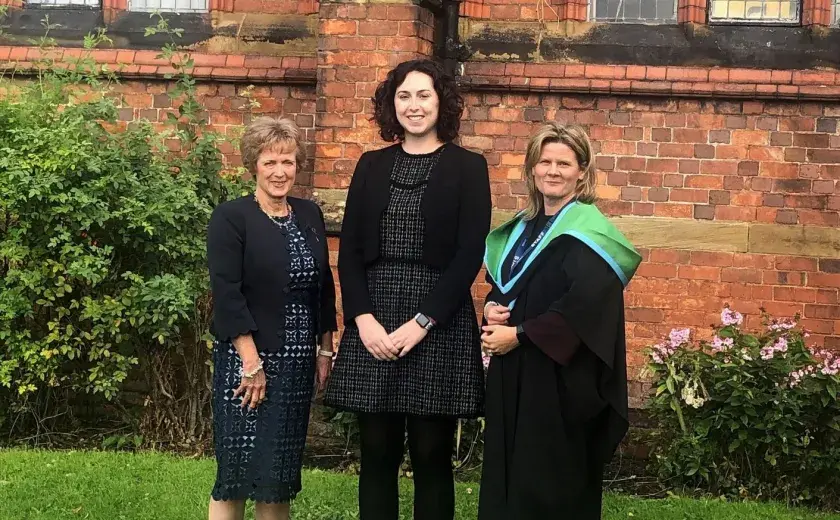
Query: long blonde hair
x: 573, y: 136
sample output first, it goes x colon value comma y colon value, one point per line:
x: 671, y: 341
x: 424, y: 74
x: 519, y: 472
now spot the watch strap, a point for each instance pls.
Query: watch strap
x: 521, y: 337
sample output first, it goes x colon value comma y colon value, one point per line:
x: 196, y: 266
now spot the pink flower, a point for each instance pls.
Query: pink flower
x: 782, y: 325
x: 485, y: 359
x: 780, y: 345
x: 661, y: 352
x: 730, y: 317
x: 679, y: 337
x: 721, y: 344
x: 831, y: 365
x: 797, y: 376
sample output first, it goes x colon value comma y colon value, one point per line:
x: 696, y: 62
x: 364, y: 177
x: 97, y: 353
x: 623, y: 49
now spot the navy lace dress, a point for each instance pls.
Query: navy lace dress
x: 259, y: 452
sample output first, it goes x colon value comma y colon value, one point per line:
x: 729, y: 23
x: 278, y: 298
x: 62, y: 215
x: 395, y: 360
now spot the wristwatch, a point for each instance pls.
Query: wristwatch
x: 424, y: 321
x: 520, y: 334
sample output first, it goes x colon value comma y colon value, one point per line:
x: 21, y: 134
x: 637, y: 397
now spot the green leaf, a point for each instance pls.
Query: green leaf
x: 750, y: 340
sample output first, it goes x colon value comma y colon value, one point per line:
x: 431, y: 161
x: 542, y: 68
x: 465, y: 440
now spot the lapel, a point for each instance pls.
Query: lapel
x: 380, y: 187
x: 441, y: 182
x: 305, y: 219
x: 522, y: 282
x: 502, y: 241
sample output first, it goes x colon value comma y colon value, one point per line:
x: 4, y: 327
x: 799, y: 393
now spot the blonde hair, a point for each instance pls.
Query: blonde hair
x: 573, y: 136
x: 265, y: 133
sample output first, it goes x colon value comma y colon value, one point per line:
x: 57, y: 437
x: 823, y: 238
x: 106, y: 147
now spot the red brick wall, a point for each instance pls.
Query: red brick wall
x: 697, y: 145
x: 358, y: 45
x: 228, y: 107
x: 774, y: 162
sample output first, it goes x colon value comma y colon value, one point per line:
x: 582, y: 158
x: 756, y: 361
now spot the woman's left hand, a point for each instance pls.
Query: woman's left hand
x: 408, y: 336
x: 323, y: 367
x: 498, y: 340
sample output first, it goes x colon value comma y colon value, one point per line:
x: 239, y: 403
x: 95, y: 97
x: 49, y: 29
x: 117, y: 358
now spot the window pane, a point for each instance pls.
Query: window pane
x: 768, y: 11
x: 755, y: 9
x: 49, y: 3
x: 835, y: 12
x: 635, y: 11
x: 632, y: 10
x: 648, y: 11
x: 172, y: 6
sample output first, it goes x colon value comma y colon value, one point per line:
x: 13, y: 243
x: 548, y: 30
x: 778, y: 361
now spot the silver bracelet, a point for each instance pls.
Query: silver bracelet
x: 488, y: 304
x: 252, y: 373
x: 326, y: 353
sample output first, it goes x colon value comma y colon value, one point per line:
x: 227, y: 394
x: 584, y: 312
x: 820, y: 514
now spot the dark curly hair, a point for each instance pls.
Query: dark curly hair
x: 451, y: 103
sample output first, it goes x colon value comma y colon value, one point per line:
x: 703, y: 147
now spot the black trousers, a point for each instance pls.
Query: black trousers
x: 430, y: 445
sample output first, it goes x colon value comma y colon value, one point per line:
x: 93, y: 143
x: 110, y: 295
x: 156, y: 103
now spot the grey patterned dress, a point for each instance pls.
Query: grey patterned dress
x: 259, y: 452
x: 443, y: 374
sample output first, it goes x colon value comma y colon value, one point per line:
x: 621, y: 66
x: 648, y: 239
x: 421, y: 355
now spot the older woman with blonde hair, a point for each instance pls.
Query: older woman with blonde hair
x: 274, y: 300
x: 557, y: 384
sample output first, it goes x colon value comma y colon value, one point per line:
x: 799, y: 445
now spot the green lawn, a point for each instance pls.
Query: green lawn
x: 49, y: 485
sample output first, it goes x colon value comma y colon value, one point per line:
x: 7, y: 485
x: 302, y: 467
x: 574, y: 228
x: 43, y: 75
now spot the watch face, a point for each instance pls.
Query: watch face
x: 423, y: 321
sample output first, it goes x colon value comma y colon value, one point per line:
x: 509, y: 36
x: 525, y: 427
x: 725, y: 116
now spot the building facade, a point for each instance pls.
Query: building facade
x: 715, y: 121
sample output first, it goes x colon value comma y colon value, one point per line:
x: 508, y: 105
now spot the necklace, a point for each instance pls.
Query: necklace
x: 269, y: 215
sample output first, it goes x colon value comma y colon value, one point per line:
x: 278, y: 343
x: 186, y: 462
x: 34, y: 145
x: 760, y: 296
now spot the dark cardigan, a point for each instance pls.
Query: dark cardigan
x: 248, y: 275
x: 456, y: 208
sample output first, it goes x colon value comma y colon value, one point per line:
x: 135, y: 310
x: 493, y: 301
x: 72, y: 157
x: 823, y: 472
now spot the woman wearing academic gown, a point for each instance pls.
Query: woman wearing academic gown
x: 557, y: 384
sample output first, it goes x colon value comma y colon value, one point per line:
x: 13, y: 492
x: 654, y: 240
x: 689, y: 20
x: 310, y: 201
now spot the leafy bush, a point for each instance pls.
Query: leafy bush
x: 748, y: 415
x: 102, y: 234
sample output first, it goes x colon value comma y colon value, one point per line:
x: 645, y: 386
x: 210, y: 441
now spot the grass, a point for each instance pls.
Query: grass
x: 54, y: 485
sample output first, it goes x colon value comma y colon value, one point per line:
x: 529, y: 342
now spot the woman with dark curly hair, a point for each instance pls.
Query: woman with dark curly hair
x: 412, y: 244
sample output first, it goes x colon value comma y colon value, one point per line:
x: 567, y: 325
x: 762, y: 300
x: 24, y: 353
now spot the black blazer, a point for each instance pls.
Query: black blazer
x: 456, y: 207
x: 248, y: 275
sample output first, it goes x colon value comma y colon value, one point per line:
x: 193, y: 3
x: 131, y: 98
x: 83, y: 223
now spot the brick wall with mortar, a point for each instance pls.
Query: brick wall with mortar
x: 726, y: 176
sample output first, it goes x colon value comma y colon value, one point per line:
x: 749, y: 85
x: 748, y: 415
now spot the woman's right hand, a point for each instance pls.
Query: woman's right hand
x: 251, y: 389
x: 375, y: 338
x: 496, y: 314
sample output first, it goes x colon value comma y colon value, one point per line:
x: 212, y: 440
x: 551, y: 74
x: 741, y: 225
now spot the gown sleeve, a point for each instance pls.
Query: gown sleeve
x: 586, y: 314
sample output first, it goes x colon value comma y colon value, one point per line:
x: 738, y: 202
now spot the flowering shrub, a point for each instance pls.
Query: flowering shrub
x: 749, y: 415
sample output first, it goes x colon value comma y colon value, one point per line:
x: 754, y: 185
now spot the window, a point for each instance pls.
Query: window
x: 62, y: 3
x: 634, y: 11
x: 835, y: 12
x: 170, y: 6
x: 757, y: 11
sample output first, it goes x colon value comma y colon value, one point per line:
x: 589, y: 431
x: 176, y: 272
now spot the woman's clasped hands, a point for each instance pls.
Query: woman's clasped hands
x: 497, y: 337
x: 389, y: 347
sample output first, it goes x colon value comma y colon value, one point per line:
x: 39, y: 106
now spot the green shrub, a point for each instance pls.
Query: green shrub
x: 748, y: 415
x: 102, y: 233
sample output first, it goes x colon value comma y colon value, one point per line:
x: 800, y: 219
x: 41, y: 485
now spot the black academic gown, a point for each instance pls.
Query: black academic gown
x: 557, y: 405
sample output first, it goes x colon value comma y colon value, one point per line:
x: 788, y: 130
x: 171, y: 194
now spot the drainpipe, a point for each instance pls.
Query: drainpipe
x: 449, y: 47
x: 453, y: 49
